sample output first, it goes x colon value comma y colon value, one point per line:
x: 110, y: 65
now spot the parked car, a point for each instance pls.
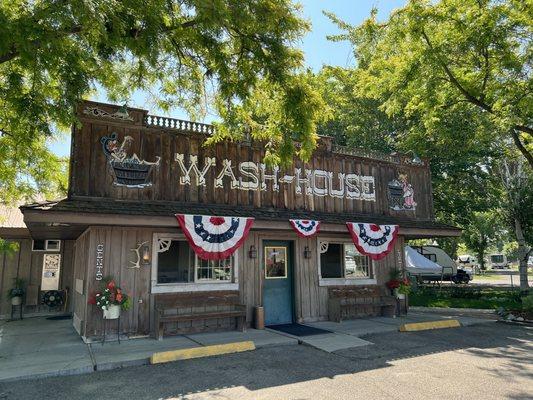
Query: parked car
x: 468, y: 263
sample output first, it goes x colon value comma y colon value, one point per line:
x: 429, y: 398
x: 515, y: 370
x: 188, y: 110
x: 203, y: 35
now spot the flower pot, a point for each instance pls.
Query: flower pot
x: 16, y: 301
x: 112, y: 312
x: 400, y: 296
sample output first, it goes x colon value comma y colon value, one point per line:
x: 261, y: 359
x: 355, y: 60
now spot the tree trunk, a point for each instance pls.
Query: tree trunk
x: 481, y: 257
x: 523, y: 254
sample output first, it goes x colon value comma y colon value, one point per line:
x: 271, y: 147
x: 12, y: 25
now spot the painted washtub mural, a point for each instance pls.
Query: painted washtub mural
x: 401, y: 194
x: 127, y: 170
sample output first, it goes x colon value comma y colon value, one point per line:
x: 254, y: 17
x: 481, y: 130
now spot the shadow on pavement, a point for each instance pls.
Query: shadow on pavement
x: 284, y: 365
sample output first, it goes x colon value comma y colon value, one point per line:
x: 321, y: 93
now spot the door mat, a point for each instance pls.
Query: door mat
x: 298, y: 329
x: 59, y: 317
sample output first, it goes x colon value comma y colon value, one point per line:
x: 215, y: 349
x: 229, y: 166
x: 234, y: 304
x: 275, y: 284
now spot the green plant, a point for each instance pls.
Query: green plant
x: 405, y: 287
x: 18, y: 289
x: 527, y: 303
x: 110, y: 294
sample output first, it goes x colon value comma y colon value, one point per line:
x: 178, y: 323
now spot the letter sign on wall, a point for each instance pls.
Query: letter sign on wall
x: 99, y: 262
x: 249, y: 175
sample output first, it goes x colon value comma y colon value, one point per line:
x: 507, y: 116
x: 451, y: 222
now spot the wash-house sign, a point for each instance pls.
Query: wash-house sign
x: 249, y: 175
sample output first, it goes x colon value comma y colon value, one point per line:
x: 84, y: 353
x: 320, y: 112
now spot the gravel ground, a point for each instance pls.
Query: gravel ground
x: 490, y: 361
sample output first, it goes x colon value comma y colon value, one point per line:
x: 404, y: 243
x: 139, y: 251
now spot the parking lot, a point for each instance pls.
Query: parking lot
x: 487, y: 361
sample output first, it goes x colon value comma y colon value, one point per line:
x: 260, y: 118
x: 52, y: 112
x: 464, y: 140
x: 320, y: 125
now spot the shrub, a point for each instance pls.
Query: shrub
x: 527, y: 303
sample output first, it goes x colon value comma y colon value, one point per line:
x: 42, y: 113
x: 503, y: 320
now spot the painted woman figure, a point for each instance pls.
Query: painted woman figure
x: 408, y: 193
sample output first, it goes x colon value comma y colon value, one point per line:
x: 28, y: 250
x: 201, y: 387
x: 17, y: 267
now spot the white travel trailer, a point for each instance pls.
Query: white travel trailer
x: 449, y: 270
x: 498, y: 261
x: 420, y: 267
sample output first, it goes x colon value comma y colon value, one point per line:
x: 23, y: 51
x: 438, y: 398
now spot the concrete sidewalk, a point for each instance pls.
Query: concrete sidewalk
x: 369, y: 326
x: 37, y: 347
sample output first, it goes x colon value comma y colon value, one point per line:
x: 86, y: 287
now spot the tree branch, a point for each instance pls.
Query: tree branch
x: 455, y: 81
x: 518, y: 143
x: 13, y: 51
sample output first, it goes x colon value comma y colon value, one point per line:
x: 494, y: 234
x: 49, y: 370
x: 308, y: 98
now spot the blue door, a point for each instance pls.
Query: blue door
x: 277, y: 287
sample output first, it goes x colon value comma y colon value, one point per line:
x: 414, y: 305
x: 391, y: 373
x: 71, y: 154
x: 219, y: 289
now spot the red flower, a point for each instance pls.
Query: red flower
x: 118, y: 298
x: 111, y: 285
x: 393, y: 284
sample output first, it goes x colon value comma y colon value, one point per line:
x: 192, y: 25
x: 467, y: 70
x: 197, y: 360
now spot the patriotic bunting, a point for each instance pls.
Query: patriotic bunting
x: 305, y: 227
x: 373, y: 240
x: 214, y: 238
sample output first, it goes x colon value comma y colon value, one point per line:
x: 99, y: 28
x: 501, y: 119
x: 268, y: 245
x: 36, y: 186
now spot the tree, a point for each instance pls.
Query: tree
x: 482, y: 231
x: 432, y: 55
x: 461, y: 154
x: 518, y: 209
x: 53, y: 53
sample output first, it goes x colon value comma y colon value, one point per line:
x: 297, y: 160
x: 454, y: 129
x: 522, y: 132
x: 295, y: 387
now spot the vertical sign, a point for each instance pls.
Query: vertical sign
x: 99, y: 261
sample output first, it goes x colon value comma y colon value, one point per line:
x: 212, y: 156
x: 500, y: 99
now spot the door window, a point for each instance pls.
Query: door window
x: 275, y: 262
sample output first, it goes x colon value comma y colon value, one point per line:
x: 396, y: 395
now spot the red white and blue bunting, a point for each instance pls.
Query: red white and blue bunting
x: 375, y: 241
x: 305, y: 227
x: 214, y: 238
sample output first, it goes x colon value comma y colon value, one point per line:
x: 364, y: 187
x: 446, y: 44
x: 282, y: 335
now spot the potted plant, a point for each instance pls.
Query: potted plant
x: 393, y: 283
x: 16, y: 293
x: 111, y: 299
x: 399, y: 286
x: 404, y: 289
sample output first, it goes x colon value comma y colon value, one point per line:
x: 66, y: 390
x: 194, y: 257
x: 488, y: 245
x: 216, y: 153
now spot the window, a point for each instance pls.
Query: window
x: 431, y: 257
x: 343, y: 261
x: 214, y: 270
x: 177, y: 264
x: 46, y: 245
x: 275, y: 262
x: 174, y: 263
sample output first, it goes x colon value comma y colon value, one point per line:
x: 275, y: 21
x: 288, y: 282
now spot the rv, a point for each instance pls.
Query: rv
x: 498, y: 261
x: 449, y: 271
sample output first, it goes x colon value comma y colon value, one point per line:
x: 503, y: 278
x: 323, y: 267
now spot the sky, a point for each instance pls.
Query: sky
x: 317, y: 49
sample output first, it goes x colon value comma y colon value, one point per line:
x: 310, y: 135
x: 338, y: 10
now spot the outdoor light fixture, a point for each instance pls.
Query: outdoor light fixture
x: 307, y: 252
x: 146, y: 254
x: 253, y: 252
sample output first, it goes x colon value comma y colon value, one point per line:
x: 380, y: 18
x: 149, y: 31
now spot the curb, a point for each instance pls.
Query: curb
x: 52, y: 374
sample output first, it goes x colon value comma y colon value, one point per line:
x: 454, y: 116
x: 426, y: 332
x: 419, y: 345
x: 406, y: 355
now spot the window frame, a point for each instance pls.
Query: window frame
x: 342, y: 281
x: 196, y: 286
x: 46, y: 247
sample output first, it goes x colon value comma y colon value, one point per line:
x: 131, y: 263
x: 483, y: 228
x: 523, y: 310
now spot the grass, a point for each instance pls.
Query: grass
x: 464, y: 297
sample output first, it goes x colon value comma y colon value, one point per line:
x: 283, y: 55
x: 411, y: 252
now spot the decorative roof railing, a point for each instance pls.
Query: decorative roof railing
x: 155, y: 121
x: 174, y: 123
x: 395, y: 158
x: 358, y: 152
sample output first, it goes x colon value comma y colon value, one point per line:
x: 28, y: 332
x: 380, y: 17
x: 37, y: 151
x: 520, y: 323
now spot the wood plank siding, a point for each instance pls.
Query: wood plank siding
x: 92, y: 175
x: 28, y: 265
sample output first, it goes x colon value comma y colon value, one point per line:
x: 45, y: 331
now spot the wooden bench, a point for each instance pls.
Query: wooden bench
x: 198, y: 306
x: 360, y: 301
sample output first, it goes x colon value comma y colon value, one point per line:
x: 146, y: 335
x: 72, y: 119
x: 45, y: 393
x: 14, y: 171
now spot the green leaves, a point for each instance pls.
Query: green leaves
x: 191, y: 54
x: 431, y: 55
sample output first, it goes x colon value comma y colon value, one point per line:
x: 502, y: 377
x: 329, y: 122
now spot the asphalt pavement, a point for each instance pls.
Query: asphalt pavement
x: 488, y: 361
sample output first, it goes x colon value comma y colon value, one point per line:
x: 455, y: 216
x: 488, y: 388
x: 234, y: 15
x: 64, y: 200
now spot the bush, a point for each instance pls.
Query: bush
x: 527, y: 303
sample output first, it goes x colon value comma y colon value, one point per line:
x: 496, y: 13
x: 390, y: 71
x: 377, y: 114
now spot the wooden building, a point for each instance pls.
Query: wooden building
x: 131, y: 172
